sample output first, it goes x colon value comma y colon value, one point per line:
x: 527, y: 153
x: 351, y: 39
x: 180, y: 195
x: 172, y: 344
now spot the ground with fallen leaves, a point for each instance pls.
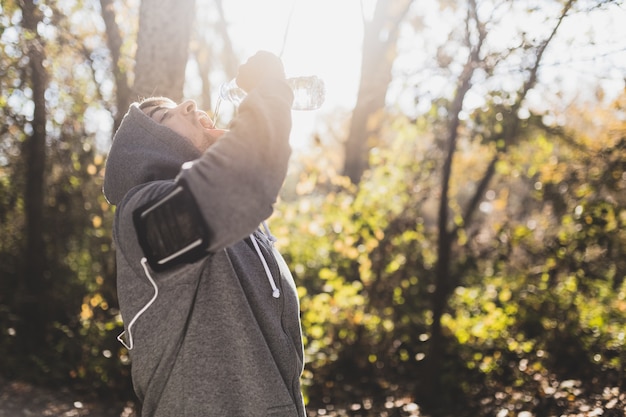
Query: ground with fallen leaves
x: 20, y: 399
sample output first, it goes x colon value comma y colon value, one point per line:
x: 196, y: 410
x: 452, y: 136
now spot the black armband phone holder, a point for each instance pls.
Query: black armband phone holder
x: 171, y: 229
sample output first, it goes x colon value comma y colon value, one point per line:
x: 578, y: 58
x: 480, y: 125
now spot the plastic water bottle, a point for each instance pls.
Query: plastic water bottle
x: 309, y: 92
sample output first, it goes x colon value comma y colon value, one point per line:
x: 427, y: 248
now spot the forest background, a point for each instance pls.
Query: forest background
x: 456, y: 231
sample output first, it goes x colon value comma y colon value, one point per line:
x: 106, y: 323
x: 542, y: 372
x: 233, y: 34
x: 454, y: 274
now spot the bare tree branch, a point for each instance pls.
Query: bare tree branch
x: 510, y: 134
x: 114, y: 43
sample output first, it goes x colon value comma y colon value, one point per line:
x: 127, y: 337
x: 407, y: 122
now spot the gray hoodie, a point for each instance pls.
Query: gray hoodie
x: 209, y: 338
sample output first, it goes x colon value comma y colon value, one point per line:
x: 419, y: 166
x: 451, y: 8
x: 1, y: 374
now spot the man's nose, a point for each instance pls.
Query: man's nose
x: 188, y: 106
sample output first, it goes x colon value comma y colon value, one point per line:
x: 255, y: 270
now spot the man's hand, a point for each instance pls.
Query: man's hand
x: 262, y: 65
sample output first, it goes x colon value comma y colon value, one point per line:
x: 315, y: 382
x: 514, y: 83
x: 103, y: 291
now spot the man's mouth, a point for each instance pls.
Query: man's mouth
x: 205, y: 120
x: 208, y: 125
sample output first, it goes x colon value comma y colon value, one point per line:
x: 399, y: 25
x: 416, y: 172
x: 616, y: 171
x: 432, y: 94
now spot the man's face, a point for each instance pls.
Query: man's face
x: 186, y: 120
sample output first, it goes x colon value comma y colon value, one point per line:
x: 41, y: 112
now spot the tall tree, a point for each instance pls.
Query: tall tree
x: 379, y: 43
x: 34, y: 151
x: 51, y: 252
x: 163, y: 47
x: 446, y: 279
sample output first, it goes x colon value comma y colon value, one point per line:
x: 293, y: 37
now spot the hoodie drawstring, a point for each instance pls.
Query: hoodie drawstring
x: 269, y: 234
x: 268, y: 273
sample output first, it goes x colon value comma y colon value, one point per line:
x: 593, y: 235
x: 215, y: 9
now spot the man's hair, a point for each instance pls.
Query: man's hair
x: 154, y: 101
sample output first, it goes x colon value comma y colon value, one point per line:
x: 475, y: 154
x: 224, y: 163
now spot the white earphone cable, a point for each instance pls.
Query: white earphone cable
x: 130, y: 344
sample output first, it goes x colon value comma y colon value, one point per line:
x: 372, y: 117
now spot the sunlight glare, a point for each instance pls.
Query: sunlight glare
x: 321, y: 37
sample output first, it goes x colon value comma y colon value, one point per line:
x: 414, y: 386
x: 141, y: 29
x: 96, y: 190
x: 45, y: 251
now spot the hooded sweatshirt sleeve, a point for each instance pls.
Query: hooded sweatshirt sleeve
x: 237, y: 180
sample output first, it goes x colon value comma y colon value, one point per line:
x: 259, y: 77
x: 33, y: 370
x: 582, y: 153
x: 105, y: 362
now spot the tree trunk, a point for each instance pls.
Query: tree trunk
x: 379, y: 43
x: 210, y: 57
x: 34, y: 151
x: 444, y: 281
x: 163, y: 47
x: 114, y: 42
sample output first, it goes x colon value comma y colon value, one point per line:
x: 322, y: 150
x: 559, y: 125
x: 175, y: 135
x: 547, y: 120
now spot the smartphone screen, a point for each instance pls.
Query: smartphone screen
x: 171, y: 229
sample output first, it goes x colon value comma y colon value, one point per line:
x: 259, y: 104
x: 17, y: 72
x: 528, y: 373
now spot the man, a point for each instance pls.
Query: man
x: 210, y: 311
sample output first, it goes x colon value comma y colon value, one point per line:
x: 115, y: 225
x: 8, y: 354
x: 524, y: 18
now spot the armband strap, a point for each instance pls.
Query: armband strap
x: 171, y: 229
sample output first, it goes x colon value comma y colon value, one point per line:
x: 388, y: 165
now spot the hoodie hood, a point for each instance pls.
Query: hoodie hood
x: 143, y: 151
